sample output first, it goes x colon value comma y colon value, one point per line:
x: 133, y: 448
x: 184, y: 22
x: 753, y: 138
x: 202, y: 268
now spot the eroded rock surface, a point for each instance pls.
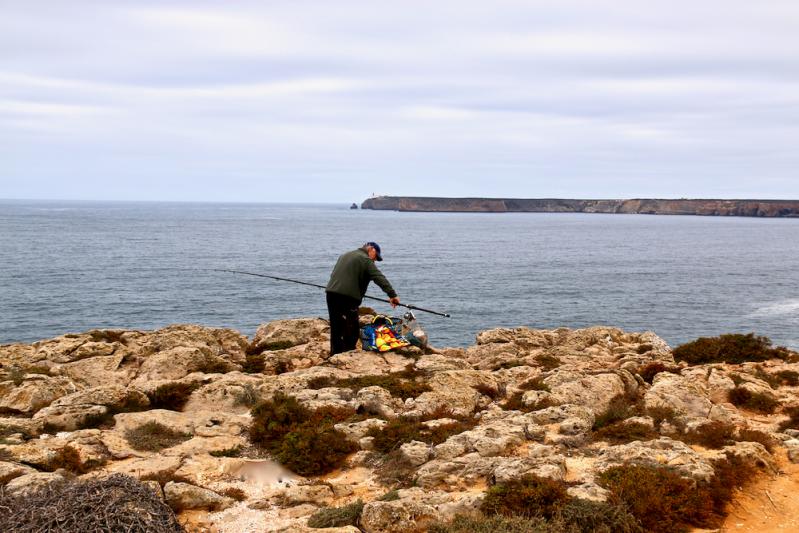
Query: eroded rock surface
x: 518, y: 402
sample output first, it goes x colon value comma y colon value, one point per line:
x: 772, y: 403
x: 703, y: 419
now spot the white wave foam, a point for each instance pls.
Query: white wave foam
x: 787, y: 307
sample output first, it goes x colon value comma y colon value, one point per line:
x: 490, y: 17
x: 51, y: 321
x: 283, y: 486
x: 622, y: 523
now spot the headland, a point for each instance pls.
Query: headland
x: 640, y: 206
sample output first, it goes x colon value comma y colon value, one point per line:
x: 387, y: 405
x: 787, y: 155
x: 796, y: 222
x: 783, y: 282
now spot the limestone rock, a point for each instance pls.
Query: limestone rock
x: 792, y: 446
x: 663, y: 451
x: 593, y: 392
x: 179, y: 362
x: 97, y: 371
x: 282, y: 334
x: 9, y: 471
x: 399, y: 516
x: 681, y: 394
x: 28, y: 483
x: 355, y: 431
x: 378, y: 401
x: 181, y: 496
x: 415, y: 452
x: 78, y: 409
x: 317, y: 495
x: 35, y: 393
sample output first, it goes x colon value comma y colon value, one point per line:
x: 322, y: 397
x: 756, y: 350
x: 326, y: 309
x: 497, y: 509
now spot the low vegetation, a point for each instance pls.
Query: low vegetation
x: 300, y: 439
x: 754, y: 401
x: 172, y: 396
x: 664, y: 502
x: 154, y: 436
x: 624, y: 432
x: 530, y: 496
x: 347, y: 515
x: 408, y: 383
x: 534, y: 504
x: 729, y: 348
x: 406, y: 429
x: 620, y: 408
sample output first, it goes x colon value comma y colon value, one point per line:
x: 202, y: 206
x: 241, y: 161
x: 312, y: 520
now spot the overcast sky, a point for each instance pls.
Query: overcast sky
x: 331, y: 101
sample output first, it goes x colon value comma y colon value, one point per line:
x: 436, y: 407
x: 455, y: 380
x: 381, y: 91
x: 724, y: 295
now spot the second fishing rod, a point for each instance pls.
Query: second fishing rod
x: 407, y: 306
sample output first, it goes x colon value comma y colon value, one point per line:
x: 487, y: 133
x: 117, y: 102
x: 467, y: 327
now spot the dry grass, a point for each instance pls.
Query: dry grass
x: 154, y: 436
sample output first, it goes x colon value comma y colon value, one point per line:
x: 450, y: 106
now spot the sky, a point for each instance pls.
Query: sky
x: 333, y: 101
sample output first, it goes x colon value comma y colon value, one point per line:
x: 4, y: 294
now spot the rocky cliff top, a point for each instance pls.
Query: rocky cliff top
x: 392, y: 442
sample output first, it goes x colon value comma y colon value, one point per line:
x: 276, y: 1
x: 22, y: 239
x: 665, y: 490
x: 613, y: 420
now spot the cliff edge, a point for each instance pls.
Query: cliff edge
x: 270, y: 434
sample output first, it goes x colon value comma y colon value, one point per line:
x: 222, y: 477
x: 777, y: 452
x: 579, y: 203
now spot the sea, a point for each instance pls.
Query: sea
x: 74, y: 266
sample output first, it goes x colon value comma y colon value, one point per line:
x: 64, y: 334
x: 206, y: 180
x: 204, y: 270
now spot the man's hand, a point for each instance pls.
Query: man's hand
x: 394, y: 301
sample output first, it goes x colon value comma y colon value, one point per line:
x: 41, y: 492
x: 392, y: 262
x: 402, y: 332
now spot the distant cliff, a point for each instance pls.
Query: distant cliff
x: 740, y: 208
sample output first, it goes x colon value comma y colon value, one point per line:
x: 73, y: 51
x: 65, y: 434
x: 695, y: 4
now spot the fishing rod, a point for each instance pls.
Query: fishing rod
x: 407, y: 306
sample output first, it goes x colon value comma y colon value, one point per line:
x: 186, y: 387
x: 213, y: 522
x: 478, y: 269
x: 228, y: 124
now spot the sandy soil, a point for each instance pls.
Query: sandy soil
x: 770, y: 505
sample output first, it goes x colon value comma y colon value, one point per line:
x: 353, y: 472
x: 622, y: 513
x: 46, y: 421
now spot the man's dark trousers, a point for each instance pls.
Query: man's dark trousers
x: 344, y: 327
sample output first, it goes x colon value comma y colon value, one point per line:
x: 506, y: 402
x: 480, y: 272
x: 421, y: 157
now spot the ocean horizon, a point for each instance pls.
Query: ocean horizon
x: 74, y: 265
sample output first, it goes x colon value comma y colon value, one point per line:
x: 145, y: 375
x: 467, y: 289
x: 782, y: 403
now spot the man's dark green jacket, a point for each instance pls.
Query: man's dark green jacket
x: 352, y: 274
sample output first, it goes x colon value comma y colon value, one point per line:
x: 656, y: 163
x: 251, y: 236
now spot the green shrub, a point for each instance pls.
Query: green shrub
x: 729, y: 348
x: 492, y: 524
x: 624, y: 432
x: 773, y: 380
x: 302, y: 440
x: 348, y: 515
x: 661, y: 500
x: 586, y: 516
x: 529, y: 496
x: 235, y: 451
x: 406, y: 429
x: 154, y: 436
x: 754, y: 401
x: 172, y: 396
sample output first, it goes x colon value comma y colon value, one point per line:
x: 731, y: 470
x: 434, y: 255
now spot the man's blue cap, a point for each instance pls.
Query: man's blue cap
x: 377, y: 249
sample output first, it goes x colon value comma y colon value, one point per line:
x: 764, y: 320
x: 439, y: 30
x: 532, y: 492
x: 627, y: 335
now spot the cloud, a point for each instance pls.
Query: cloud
x: 552, y: 98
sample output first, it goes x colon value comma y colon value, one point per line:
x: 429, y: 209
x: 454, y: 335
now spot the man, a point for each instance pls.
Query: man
x: 346, y: 289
